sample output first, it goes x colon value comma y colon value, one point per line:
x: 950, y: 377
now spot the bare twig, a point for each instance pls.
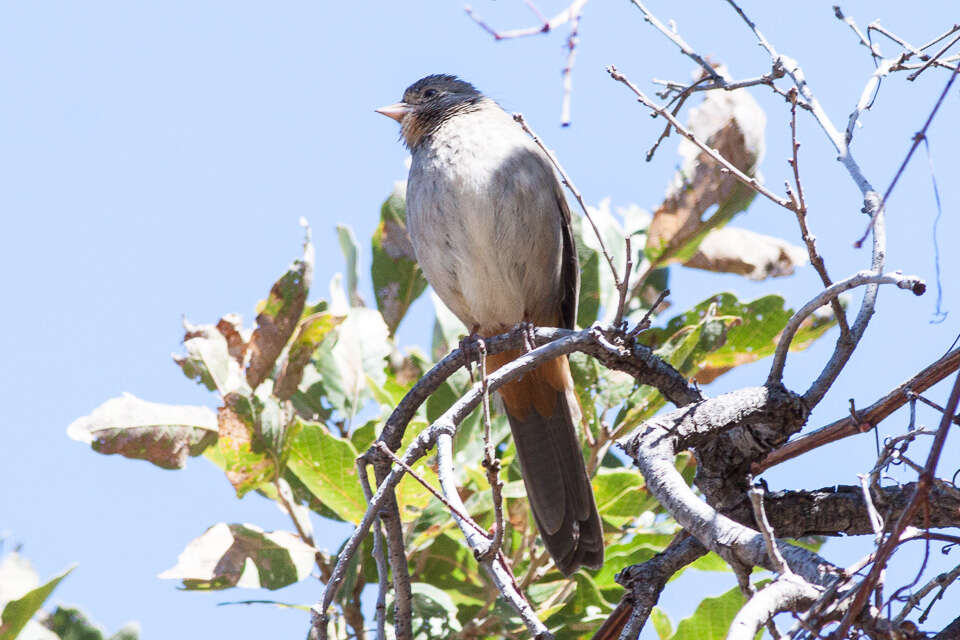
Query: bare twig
x: 379, y: 555
x: 748, y: 181
x: 494, y: 565
x: 572, y: 40
x: 492, y: 466
x: 912, y: 283
x: 871, y: 416
x: 675, y: 38
x: 943, y: 581
x: 917, y: 139
x: 625, y: 287
x: 518, y: 117
x: 800, y: 208
x: 760, y: 517
x: 853, y: 25
x: 645, y: 321
x: 876, y: 521
x: 936, y: 56
x: 893, y: 539
x: 572, y: 15
x: 426, y: 485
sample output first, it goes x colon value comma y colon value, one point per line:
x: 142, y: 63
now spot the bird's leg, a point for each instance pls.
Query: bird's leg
x: 472, y: 349
x: 527, y: 329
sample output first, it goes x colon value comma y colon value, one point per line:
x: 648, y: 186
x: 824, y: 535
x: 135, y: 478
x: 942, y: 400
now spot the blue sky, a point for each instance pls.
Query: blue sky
x: 155, y: 159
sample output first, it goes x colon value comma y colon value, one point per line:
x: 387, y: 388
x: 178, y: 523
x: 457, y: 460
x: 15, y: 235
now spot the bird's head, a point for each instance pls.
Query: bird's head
x: 428, y: 102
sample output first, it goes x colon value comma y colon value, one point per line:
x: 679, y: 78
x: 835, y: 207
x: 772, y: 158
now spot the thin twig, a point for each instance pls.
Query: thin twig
x: 571, y: 14
x: 913, y: 76
x: 912, y: 283
x: 917, y: 139
x: 491, y: 464
x: 943, y: 581
x: 800, y: 209
x: 625, y: 286
x: 518, y: 117
x: 379, y: 555
x: 760, y: 517
x: 426, y: 485
x: 675, y: 38
x: 876, y: 521
x: 495, y: 566
x: 572, y: 40
x: 853, y: 25
x: 748, y: 181
x: 645, y: 321
x: 893, y: 539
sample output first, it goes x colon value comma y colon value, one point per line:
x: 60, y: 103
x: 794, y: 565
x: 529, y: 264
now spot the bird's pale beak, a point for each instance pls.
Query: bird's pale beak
x: 395, y: 111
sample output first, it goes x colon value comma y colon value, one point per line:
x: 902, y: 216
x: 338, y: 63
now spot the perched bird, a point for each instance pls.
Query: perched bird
x: 491, y: 230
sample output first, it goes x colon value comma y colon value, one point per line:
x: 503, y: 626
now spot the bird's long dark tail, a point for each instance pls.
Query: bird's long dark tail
x: 543, y: 410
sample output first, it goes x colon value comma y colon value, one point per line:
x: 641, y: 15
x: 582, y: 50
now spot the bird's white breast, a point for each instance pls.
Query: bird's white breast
x: 483, y: 217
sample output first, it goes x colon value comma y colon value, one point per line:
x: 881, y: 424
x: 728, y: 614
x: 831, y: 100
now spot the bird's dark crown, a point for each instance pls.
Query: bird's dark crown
x: 433, y: 101
x: 440, y: 89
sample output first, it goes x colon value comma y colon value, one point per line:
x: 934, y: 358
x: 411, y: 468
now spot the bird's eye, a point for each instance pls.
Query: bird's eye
x: 429, y: 93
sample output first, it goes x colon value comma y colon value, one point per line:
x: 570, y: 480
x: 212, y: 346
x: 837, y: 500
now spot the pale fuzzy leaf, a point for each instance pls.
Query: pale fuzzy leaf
x: 17, y: 577
x: 229, y: 555
x: 160, y: 433
x: 351, y: 253
x: 363, y: 344
x: 209, y: 360
x: 756, y: 256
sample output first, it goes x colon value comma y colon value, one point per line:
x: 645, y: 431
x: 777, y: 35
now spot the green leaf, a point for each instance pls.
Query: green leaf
x: 18, y: 612
x: 397, y: 279
x: 360, y: 350
x: 246, y: 461
x: 279, y: 316
x: 314, y: 329
x: 712, y: 618
x: 661, y: 623
x: 241, y: 555
x: 711, y: 562
x: 621, y: 495
x: 363, y: 436
x: 582, y: 612
x: 326, y: 466
x: 351, y: 252
x: 753, y: 336
x: 589, y: 304
x: 640, y: 548
x: 434, y: 612
x: 69, y: 623
x: 159, y: 433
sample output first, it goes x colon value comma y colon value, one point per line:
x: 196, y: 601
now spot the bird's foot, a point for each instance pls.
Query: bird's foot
x: 473, y: 349
x: 527, y: 333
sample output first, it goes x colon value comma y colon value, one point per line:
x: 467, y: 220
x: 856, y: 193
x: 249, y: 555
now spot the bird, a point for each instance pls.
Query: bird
x: 491, y: 231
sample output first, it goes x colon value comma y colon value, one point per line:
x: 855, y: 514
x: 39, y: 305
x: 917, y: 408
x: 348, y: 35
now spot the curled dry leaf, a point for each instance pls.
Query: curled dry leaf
x: 756, y: 256
x: 231, y: 329
x: 732, y: 123
x: 159, y: 433
x: 279, y: 317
